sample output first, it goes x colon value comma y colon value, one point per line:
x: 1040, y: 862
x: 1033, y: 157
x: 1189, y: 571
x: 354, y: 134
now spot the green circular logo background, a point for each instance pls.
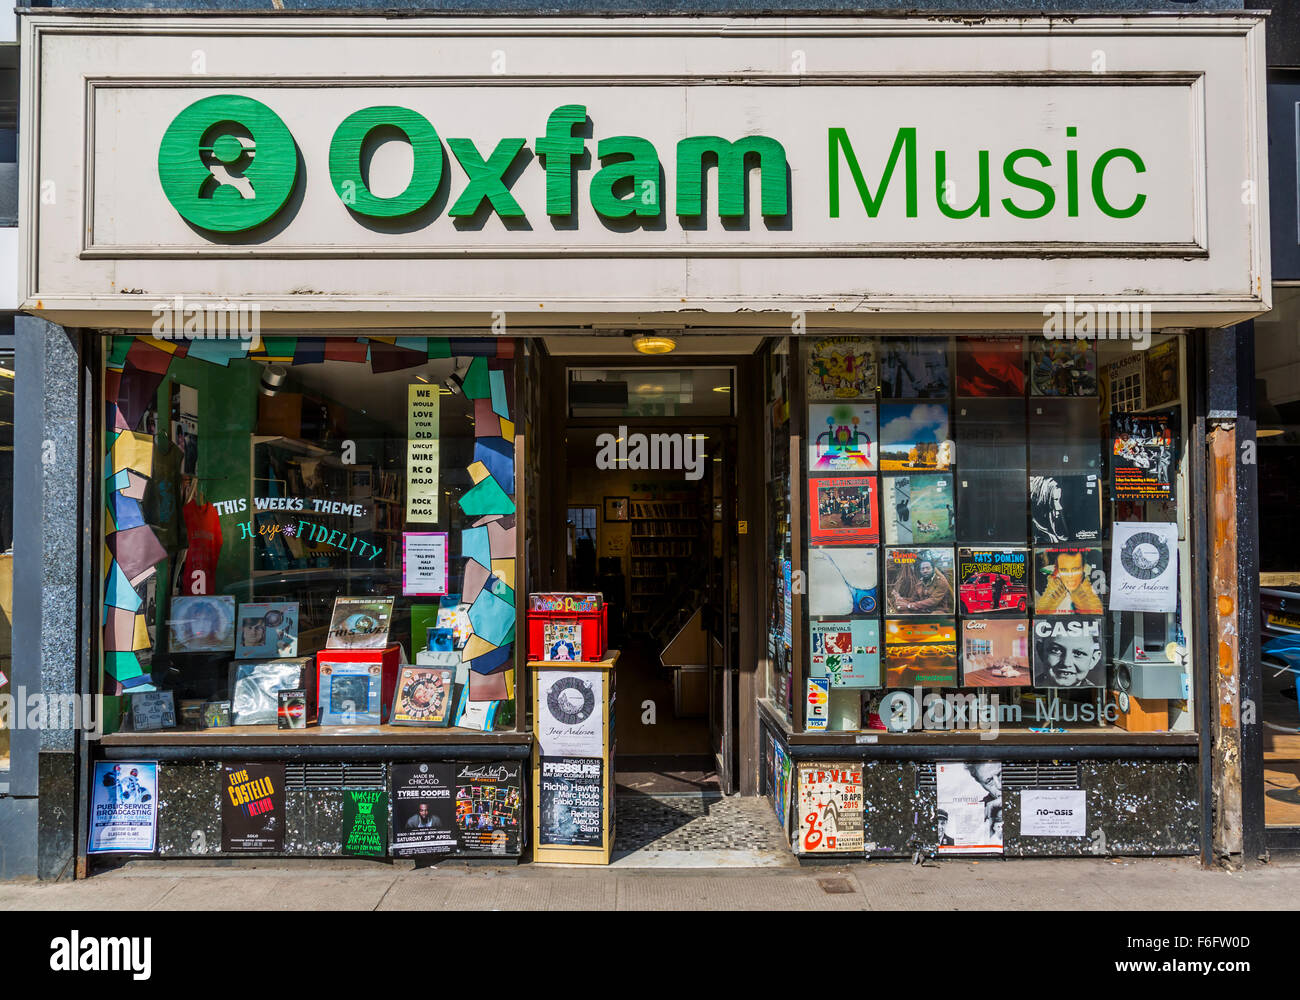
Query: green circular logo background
x: 270, y: 164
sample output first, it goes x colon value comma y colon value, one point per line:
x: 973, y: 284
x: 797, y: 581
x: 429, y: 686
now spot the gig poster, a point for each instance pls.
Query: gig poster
x: 124, y: 808
x: 489, y: 807
x: 365, y: 822
x: 831, y: 808
x: 424, y: 815
x: 1144, y: 567
x: 968, y: 819
x: 572, y: 806
x: 1142, y: 449
x: 252, y: 808
x: 570, y: 713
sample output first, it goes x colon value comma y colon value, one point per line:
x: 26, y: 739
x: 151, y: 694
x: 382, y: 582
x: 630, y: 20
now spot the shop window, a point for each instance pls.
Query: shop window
x: 995, y: 536
x: 303, y: 530
x: 6, y: 538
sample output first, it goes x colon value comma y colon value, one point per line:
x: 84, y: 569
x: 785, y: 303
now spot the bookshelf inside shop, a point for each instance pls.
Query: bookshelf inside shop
x: 665, y: 544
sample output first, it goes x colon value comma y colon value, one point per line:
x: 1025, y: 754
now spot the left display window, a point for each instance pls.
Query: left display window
x: 308, y: 532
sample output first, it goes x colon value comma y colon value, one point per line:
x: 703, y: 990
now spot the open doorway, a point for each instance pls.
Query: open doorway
x: 650, y: 472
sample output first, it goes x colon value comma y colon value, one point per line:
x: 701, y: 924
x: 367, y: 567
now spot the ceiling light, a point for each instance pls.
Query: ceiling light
x: 722, y: 388
x: 654, y: 344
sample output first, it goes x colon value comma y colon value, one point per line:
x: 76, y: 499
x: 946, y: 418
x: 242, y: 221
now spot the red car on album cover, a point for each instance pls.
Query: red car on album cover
x: 992, y: 592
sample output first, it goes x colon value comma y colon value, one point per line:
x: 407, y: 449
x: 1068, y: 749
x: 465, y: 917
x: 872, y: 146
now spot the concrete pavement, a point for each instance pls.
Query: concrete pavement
x: 1082, y: 884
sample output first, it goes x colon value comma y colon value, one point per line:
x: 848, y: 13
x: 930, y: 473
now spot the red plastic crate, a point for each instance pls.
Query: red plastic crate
x: 389, y: 656
x: 544, y: 608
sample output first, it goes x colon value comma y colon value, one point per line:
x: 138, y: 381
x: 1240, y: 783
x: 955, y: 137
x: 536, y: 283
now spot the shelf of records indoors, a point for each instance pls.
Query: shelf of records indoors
x: 1068, y: 735
x: 384, y: 735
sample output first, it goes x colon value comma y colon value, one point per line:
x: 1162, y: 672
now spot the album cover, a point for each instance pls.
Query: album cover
x: 995, y: 652
x: 266, y: 631
x: 424, y: 817
x: 1127, y: 388
x: 1065, y: 508
x: 202, y: 624
x: 562, y: 639
x: 1144, y: 567
x: 424, y: 697
x: 153, y: 710
x: 1062, y: 367
x: 1162, y: 376
x: 843, y: 511
x: 914, y: 437
x: 968, y: 807
x: 914, y: 367
x: 350, y: 693
x: 919, y: 581
x: 255, y: 687
x: 842, y: 368
x: 843, y: 581
x: 993, y: 581
x: 440, y: 640
x: 920, y: 653
x: 1142, y: 446
x: 918, y: 509
x: 214, y: 715
x: 360, y: 623
x: 293, y: 708
x: 1065, y: 435
x: 1068, y: 581
x: 846, y: 651
x: 992, y: 507
x: 1068, y: 653
x: 842, y: 437
x: 454, y: 614
x: 990, y: 366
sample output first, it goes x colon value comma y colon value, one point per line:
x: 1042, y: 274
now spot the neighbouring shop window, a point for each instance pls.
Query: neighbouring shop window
x: 996, y: 535
x: 1277, y: 414
x: 314, y: 530
x: 6, y: 538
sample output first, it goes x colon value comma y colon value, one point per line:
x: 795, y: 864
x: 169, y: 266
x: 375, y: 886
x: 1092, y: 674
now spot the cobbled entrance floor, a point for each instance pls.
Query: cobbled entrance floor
x: 657, y: 830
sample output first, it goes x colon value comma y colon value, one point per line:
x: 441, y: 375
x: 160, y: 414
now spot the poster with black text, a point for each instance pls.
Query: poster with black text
x: 252, y: 808
x: 572, y: 802
x: 424, y: 814
x: 1144, y: 566
x: 489, y: 807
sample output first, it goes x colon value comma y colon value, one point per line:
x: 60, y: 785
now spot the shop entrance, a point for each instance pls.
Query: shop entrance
x: 650, y: 470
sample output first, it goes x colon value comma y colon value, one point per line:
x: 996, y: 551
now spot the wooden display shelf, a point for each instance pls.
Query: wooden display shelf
x: 312, y: 735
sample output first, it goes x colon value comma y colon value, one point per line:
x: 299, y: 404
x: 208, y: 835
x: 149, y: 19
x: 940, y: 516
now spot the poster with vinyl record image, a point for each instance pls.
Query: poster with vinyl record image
x: 843, y: 581
x: 1144, y: 566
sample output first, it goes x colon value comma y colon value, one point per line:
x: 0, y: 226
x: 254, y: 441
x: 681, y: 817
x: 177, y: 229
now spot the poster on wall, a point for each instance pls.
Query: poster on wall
x: 968, y: 818
x: 1068, y: 581
x: 842, y: 437
x: 422, y: 452
x: 1142, y: 456
x: 1144, y: 566
x: 831, y: 808
x: 782, y: 770
x: 489, y: 807
x: 914, y: 367
x: 842, y: 368
x: 252, y: 808
x: 840, y: 582
x: 424, y: 563
x: 424, y: 816
x: 842, y: 511
x: 919, y: 581
x: 1065, y: 508
x: 995, y: 652
x: 572, y: 806
x: 124, y: 808
x: 993, y: 581
x: 365, y: 823
x: 914, y: 437
x: 846, y: 651
x: 1162, y: 373
x: 570, y: 713
x: 1068, y: 653
x: 918, y: 510
x: 1053, y: 812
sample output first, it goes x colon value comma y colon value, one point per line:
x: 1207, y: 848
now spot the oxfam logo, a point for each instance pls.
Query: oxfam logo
x: 227, y: 163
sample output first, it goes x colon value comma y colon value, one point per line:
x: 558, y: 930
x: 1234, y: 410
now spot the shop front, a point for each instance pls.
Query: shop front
x: 855, y: 372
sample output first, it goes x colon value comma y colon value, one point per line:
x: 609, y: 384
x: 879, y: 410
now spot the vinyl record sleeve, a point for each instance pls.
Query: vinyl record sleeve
x: 1069, y: 652
x: 919, y: 581
x: 360, y: 623
x: 842, y: 511
x: 918, y: 509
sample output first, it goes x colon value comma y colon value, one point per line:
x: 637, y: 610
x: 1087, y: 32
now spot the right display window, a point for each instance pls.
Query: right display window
x: 996, y: 534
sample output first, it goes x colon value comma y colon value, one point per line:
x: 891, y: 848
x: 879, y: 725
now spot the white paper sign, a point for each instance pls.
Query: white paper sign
x: 1053, y: 813
x: 424, y: 562
x: 570, y: 713
x: 1144, y: 566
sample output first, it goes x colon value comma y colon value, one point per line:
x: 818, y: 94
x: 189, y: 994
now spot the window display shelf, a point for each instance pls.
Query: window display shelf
x: 342, y: 735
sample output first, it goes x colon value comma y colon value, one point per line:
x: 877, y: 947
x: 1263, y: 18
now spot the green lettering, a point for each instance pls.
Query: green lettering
x: 1099, y: 182
x: 904, y: 142
x: 732, y: 174
x: 345, y: 161
x: 981, y: 202
x: 485, y: 179
x: 642, y: 170
x: 1045, y: 190
x: 557, y: 149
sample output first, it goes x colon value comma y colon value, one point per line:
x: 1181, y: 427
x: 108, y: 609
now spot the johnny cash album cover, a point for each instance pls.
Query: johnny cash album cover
x: 1065, y: 508
x: 1068, y: 653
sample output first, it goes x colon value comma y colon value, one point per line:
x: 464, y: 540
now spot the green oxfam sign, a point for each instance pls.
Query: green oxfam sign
x: 228, y: 164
